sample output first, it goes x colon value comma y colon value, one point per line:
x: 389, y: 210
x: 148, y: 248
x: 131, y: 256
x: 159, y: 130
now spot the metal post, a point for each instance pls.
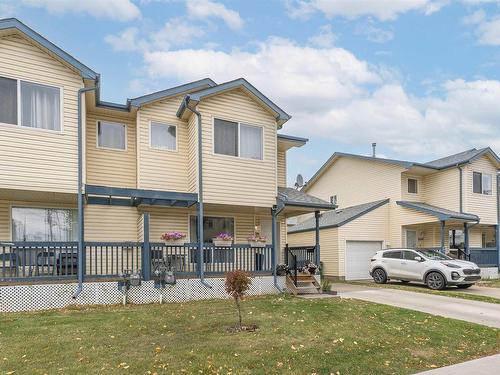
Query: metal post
x: 497, y: 239
x: 274, y: 261
x: 317, y: 247
x: 442, y: 236
x: 466, y: 241
x: 146, y: 249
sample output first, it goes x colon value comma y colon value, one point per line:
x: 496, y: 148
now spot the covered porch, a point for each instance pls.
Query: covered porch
x: 459, y: 235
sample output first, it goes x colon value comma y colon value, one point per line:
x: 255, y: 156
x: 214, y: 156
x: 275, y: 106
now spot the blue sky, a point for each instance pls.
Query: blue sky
x: 419, y: 77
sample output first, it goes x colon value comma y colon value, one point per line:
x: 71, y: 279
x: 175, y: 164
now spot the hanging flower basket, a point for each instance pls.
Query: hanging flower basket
x: 173, y: 238
x: 223, y: 240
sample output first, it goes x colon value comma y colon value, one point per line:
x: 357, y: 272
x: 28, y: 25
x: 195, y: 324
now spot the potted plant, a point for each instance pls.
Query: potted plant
x: 310, y: 268
x: 173, y: 238
x: 256, y: 240
x: 223, y: 239
x: 282, y: 270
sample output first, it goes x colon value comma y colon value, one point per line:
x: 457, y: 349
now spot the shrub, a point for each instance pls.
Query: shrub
x: 237, y: 284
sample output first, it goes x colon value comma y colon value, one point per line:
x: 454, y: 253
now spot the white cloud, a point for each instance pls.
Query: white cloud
x: 205, y: 9
x: 120, y: 10
x: 175, y: 32
x: 324, y: 38
x: 382, y: 10
x: 374, y: 33
x: 332, y: 94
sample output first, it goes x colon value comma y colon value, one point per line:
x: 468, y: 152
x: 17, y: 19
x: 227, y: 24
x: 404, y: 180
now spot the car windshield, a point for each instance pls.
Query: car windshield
x: 434, y: 255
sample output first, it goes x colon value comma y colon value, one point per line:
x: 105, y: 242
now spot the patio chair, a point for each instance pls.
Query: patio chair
x: 9, y: 265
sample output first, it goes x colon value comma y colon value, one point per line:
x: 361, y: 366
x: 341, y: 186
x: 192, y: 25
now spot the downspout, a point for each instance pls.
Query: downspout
x: 461, y: 185
x: 81, y: 242
x: 200, y: 195
x: 498, y: 220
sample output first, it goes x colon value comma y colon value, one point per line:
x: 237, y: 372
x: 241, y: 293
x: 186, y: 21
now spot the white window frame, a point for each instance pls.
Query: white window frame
x: 176, y: 136
x: 408, y: 185
x: 110, y: 148
x: 239, y: 123
x: 19, y: 105
x: 482, y: 183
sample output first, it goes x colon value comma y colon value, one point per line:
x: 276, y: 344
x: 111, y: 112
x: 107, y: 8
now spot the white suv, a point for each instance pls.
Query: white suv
x: 433, y: 268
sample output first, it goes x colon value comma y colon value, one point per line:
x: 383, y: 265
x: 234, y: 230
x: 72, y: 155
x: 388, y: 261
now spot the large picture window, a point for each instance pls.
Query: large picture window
x: 236, y: 139
x: 44, y: 224
x: 212, y: 226
x: 30, y: 104
x: 482, y: 183
x: 111, y: 135
x: 163, y: 136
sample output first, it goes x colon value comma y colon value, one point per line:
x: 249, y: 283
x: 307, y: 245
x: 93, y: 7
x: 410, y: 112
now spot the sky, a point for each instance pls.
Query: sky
x: 421, y: 78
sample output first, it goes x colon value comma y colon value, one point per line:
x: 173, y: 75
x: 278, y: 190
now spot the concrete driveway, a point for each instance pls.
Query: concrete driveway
x: 471, y: 311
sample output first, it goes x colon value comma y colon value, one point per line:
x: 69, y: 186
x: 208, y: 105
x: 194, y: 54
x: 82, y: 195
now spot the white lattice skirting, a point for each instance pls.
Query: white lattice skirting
x: 15, y: 298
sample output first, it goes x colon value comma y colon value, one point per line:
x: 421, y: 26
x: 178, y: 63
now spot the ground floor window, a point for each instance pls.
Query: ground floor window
x: 212, y: 226
x: 457, y: 239
x: 44, y: 224
x: 411, y: 239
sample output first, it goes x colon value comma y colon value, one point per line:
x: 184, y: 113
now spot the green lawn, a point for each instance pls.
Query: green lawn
x: 296, y: 336
x: 421, y: 288
x: 494, y: 283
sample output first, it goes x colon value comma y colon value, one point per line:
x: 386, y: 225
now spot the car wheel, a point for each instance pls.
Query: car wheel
x: 435, y: 281
x: 379, y: 276
x: 464, y: 286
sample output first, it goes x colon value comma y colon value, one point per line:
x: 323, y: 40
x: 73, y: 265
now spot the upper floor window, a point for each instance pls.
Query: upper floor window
x: 482, y: 183
x: 111, y: 135
x: 163, y: 136
x: 412, y: 186
x: 30, y: 104
x: 236, y: 139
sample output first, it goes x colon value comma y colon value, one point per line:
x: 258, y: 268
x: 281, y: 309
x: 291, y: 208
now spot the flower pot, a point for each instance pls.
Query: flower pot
x: 222, y: 243
x: 256, y: 243
x: 179, y: 242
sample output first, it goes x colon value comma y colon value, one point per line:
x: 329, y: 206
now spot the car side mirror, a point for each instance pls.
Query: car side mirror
x: 419, y: 259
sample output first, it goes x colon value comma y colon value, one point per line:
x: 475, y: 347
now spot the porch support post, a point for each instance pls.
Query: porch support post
x: 466, y: 241
x: 497, y: 242
x: 317, y: 249
x: 274, y: 252
x: 497, y: 228
x: 146, y: 253
x: 442, y: 235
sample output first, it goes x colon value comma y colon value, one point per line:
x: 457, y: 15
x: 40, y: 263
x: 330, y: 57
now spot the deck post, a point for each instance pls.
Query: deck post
x: 442, y: 236
x: 466, y: 241
x: 274, y: 252
x: 317, y: 248
x: 146, y: 249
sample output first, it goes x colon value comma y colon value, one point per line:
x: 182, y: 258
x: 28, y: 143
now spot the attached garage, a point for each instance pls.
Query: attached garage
x: 357, y: 258
x: 348, y: 238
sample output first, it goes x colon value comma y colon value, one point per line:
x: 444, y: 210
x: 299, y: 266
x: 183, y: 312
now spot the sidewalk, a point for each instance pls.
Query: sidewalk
x: 482, y: 366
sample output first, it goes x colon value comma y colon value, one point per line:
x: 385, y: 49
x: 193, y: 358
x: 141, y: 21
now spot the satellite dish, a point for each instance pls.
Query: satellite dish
x: 299, y: 182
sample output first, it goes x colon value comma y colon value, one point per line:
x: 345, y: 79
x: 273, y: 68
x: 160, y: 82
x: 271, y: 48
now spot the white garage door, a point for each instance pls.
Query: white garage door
x: 358, y: 255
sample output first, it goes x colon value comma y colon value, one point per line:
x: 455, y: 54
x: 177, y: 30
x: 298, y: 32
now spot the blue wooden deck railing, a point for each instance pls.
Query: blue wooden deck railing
x: 38, y: 261
x: 484, y: 257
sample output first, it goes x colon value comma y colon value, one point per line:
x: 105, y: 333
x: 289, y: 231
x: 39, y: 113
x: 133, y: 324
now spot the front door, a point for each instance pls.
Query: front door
x: 411, y: 239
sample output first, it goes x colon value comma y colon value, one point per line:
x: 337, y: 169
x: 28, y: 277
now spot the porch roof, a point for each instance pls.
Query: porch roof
x: 298, y: 199
x: 107, y: 195
x: 337, y: 218
x: 440, y: 213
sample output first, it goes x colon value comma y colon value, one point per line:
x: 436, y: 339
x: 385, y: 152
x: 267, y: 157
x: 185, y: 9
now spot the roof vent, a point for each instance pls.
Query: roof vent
x: 374, y: 149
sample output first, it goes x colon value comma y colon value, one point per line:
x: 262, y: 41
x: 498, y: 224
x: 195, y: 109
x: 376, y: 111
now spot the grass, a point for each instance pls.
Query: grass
x: 494, y: 283
x: 296, y: 336
x: 421, y: 288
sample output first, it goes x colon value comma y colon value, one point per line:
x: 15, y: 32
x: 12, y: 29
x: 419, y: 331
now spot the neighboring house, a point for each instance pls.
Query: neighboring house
x: 450, y: 203
x: 143, y: 166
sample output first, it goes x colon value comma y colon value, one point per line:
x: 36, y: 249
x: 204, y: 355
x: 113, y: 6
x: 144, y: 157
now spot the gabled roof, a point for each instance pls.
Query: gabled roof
x: 281, y: 116
x: 440, y: 213
x: 15, y: 24
x: 337, y: 218
x: 435, y: 165
x: 163, y: 94
x: 291, y: 197
x: 462, y: 157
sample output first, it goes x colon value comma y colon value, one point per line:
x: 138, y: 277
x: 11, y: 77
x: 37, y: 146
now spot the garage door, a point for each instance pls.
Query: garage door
x: 358, y: 255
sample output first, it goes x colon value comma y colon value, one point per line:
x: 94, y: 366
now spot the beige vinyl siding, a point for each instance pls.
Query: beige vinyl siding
x: 110, y: 167
x: 234, y: 180
x: 405, y: 195
x: 442, y: 189
x: 163, y: 169
x: 485, y: 206
x: 356, y: 181
x: 111, y: 223
x: 282, y: 168
x: 49, y: 158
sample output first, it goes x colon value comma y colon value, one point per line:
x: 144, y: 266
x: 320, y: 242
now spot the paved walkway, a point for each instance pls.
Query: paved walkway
x: 472, y: 311
x: 482, y: 366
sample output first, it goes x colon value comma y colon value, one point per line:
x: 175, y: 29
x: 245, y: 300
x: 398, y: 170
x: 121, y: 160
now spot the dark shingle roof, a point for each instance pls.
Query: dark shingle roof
x: 441, y: 213
x: 460, y: 158
x: 337, y: 218
x: 291, y: 197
